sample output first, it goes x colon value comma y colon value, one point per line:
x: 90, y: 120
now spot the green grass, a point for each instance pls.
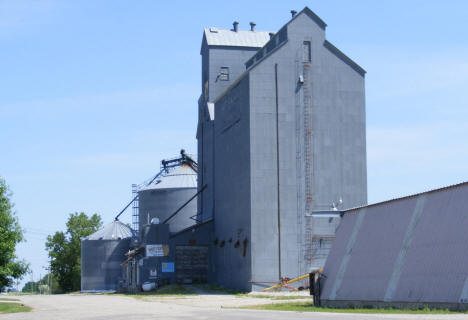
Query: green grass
x: 213, y: 288
x: 309, y: 307
x: 264, y: 296
x: 8, y: 299
x: 6, y: 307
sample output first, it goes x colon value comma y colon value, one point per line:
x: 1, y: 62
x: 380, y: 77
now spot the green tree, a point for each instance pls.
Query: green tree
x: 42, y: 286
x: 10, y: 235
x: 65, y: 249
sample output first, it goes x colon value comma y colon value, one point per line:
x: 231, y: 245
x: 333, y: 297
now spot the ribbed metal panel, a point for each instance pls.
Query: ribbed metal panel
x: 406, y: 250
x: 161, y: 203
x: 100, y: 264
x: 241, y: 38
x: 113, y: 231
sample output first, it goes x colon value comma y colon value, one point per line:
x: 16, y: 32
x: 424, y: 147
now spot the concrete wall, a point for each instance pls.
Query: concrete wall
x: 408, y: 250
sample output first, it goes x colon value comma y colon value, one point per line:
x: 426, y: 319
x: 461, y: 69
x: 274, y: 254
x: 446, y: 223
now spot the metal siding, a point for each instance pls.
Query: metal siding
x: 241, y: 38
x: 113, y: 231
x: 100, y: 263
x: 375, y: 251
x: 424, y: 254
x: 437, y: 263
x: 337, y: 252
x: 161, y: 203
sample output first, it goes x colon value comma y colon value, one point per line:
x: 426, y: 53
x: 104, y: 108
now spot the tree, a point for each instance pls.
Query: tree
x: 65, y: 249
x: 10, y: 235
x: 41, y: 286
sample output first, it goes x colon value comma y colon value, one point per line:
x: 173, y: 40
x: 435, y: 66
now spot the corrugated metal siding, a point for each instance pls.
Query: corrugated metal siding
x: 407, y: 250
x: 437, y: 263
x: 113, y: 231
x: 181, y: 177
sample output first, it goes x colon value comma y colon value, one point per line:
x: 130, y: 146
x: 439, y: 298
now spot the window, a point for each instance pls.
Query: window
x: 307, y: 54
x: 224, y: 74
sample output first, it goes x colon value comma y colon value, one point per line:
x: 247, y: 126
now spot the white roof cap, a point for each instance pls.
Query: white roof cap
x: 181, y: 177
x: 113, y: 231
x: 241, y: 38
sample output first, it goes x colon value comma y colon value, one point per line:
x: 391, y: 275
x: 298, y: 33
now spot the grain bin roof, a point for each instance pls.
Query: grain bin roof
x: 113, y: 231
x: 181, y: 177
x: 241, y: 38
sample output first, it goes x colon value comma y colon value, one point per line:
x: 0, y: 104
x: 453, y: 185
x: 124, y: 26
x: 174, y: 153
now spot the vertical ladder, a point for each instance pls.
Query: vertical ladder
x: 308, y: 167
x: 308, y: 161
x: 135, y: 207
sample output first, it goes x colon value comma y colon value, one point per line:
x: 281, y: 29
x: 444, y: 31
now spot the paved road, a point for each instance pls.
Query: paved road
x: 100, y: 307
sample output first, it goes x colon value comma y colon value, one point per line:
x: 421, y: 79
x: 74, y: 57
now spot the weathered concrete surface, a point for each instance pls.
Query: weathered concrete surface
x: 100, y: 307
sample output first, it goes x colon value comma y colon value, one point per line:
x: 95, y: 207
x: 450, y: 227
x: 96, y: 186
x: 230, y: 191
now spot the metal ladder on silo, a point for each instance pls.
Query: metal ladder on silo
x: 308, y: 160
x: 135, y: 208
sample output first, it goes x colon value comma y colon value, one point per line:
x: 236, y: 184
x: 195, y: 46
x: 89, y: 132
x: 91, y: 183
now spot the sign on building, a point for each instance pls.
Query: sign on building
x: 167, y: 266
x: 157, y: 250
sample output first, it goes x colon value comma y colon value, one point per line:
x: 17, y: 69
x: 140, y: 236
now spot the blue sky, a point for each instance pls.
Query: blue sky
x: 93, y: 94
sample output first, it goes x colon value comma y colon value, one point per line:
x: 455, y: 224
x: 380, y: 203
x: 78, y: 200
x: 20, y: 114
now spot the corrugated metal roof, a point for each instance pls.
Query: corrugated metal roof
x: 181, y: 177
x: 406, y: 250
x: 241, y: 38
x: 114, y: 231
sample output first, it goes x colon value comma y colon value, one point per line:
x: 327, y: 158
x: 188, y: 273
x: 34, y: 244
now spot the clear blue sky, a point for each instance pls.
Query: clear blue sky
x: 93, y: 94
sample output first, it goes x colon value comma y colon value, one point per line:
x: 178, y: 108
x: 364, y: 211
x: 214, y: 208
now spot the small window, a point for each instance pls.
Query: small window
x: 307, y: 54
x: 224, y: 74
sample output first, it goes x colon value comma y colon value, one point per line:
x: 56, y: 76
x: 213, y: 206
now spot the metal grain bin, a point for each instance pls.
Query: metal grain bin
x: 102, y: 254
x: 164, y: 196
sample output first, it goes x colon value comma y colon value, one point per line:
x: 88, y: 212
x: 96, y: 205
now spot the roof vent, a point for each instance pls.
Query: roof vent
x: 252, y: 26
x: 235, y: 24
x: 271, y: 34
x: 293, y: 13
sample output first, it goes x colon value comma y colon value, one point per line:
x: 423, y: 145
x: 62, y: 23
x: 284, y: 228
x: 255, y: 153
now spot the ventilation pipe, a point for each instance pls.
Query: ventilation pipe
x: 252, y: 26
x: 235, y: 24
x: 293, y: 13
x: 271, y: 34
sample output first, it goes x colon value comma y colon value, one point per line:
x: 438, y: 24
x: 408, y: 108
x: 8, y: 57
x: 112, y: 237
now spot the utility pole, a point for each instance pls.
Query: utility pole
x: 50, y: 276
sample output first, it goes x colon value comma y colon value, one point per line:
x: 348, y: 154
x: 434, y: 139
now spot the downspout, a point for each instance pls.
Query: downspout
x: 278, y: 171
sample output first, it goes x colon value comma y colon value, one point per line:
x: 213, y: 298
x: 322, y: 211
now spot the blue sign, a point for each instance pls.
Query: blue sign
x: 167, y: 266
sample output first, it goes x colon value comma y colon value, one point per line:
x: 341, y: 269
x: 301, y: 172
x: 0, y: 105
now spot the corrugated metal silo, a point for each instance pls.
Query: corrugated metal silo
x: 101, y: 256
x: 164, y: 196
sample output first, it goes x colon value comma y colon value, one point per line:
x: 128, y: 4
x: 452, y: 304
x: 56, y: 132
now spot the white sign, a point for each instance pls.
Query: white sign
x: 155, y: 250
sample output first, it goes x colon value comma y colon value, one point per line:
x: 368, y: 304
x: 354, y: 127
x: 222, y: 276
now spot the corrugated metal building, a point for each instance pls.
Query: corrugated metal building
x: 101, y: 255
x: 281, y: 135
x: 405, y: 252
x: 164, y: 196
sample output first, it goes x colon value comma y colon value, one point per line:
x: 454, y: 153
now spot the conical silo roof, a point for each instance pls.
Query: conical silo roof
x: 181, y: 177
x: 113, y: 231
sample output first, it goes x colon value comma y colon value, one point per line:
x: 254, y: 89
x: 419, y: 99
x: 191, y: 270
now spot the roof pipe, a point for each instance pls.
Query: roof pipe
x: 293, y: 13
x: 235, y: 24
x: 252, y: 26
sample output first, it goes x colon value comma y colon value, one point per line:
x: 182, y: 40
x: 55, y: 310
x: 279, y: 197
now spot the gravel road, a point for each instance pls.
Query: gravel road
x: 116, y: 307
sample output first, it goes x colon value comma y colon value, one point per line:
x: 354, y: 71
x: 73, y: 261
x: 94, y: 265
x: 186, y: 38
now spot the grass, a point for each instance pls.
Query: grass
x: 264, y: 296
x: 6, y: 307
x: 9, y: 299
x: 213, y: 288
x: 308, y: 307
